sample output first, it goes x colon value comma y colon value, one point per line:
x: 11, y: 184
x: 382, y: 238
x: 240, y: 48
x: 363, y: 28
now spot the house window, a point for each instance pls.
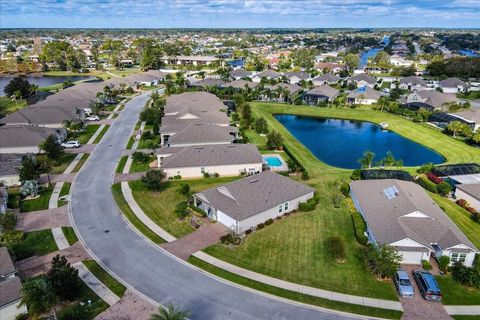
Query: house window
x: 202, y: 170
x: 285, y: 206
x: 280, y: 208
x: 460, y: 257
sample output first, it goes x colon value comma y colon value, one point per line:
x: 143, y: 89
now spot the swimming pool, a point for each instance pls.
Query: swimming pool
x: 273, y: 161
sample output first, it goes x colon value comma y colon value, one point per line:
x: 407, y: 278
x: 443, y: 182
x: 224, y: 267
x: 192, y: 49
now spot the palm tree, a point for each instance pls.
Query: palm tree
x: 17, y: 95
x: 33, y: 89
x: 170, y: 313
x: 367, y: 159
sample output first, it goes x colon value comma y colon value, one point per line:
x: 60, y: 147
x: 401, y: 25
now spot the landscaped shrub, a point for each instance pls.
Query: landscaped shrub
x: 181, y: 209
x: 443, y: 262
x: 427, y: 184
x: 260, y: 226
x: 177, y: 177
x: 147, y: 135
x: 184, y: 189
x: 476, y: 216
x: 248, y: 231
x: 206, y: 175
x: 462, y: 203
x: 140, y: 157
x: 433, y: 178
x: 428, y: 167
x: 216, y: 175
x: 268, y: 222
x: 444, y: 188
x: 426, y: 265
x: 74, y: 312
x: 345, y: 189
x: 336, y: 248
x: 356, y: 174
x: 231, y: 239
x: 305, y: 175
x: 307, y: 206
x: 197, y: 209
x: 360, y: 227
x: 467, y: 276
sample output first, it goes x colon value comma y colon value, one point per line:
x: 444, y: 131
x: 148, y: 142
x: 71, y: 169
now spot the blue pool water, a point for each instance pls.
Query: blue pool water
x: 467, y: 53
x: 340, y: 143
x: 273, y: 161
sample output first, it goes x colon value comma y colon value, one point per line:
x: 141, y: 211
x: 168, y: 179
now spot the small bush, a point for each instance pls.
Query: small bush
x: 443, y: 262
x: 184, y: 189
x: 75, y: 312
x: 444, y: 188
x: 268, y: 222
x: 216, y: 175
x: 426, y: 168
x: 462, y: 203
x: 260, y: 226
x: 177, y: 177
x: 206, y: 175
x: 197, y: 209
x: 426, y: 265
x: 230, y: 239
x: 181, y: 209
x: 248, y: 231
x: 476, y: 216
x: 427, y: 184
x: 336, y: 247
x: 345, y: 189
x: 147, y: 135
x: 355, y: 174
x: 305, y: 175
x: 140, y: 157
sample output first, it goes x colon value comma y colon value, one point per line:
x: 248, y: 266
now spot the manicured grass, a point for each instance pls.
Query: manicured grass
x: 88, y: 133
x: 81, y: 162
x: 63, y: 192
x: 40, y: 203
x: 35, y: 243
x: 141, y: 166
x: 97, y: 305
x: 70, y: 235
x: 325, y: 303
x: 61, y: 164
x: 456, y: 294
x: 145, y: 144
x: 8, y: 105
x: 130, y: 143
x: 460, y: 217
x: 462, y: 317
x: 109, y: 281
x: 101, y: 134
x: 255, y: 138
x: 121, y: 164
x: 160, y: 206
x: 125, y: 209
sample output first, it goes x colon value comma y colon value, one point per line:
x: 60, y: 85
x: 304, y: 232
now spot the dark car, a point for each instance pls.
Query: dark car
x: 427, y: 285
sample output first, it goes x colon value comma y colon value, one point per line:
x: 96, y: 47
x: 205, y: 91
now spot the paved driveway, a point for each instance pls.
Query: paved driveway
x: 419, y: 308
x: 147, y: 268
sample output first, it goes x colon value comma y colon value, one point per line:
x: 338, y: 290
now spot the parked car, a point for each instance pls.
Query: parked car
x: 403, y: 284
x: 71, y: 144
x: 427, y: 285
x: 92, y: 118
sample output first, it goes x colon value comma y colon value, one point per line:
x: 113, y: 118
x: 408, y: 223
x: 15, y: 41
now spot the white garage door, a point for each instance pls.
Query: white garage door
x: 411, y: 257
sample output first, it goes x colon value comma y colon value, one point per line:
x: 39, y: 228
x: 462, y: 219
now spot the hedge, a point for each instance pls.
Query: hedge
x: 360, y: 227
x: 310, y: 204
x: 427, y: 184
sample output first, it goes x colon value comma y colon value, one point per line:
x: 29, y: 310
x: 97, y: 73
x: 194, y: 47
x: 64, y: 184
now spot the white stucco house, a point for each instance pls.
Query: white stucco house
x: 243, y: 204
x: 402, y: 215
x: 470, y: 193
x: 10, y: 288
x: 195, y: 161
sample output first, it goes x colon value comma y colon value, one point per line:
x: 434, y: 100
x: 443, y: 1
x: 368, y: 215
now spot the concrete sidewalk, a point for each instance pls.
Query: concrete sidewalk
x: 463, y: 310
x: 96, y: 285
x: 53, y: 201
x: 59, y: 237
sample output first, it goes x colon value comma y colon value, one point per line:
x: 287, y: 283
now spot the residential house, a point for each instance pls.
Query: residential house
x: 470, y: 116
x: 453, y: 85
x: 206, y: 83
x: 327, y: 78
x: 9, y: 164
x: 240, y: 74
x: 26, y: 138
x: 431, y: 100
x: 296, y: 77
x: 317, y: 95
x: 198, y: 133
x: 412, y: 83
x: 241, y: 84
x: 243, y: 204
x: 470, y: 193
x: 10, y: 288
x: 288, y: 92
x: 401, y: 214
x: 267, y: 74
x: 363, y: 79
x: 191, y: 60
x: 195, y: 161
x: 330, y: 67
x: 400, y: 61
x: 364, y: 95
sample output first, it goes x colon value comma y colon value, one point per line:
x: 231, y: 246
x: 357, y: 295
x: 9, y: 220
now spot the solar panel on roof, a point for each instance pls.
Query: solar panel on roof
x: 391, y: 192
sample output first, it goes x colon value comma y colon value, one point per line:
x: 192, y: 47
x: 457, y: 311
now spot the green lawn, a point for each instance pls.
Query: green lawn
x: 130, y: 143
x: 141, y: 166
x: 85, y: 136
x: 128, y: 213
x: 325, y: 303
x: 160, y: 206
x: 121, y: 164
x: 40, y: 203
x: 459, y: 317
x: 461, y: 217
x: 81, y: 162
x: 109, y: 281
x: 35, y: 243
x: 8, y: 105
x: 62, y: 164
x: 101, y: 134
x: 255, y: 138
x: 63, y: 192
x: 456, y: 294
x: 97, y: 305
x: 70, y: 235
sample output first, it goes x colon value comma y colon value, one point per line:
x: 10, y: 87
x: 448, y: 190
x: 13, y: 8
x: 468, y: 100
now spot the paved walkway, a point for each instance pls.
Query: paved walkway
x: 54, y: 178
x: 463, y: 310
x: 43, y: 219
x: 86, y: 148
x: 121, y: 177
x: 53, y: 201
x: 73, y: 164
x: 205, y: 236
x: 96, y: 285
x: 315, y: 292
x: 130, y: 306
x: 39, y: 265
x: 60, y: 240
x: 419, y: 308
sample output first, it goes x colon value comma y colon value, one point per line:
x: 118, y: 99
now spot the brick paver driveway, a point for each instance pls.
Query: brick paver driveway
x: 131, y: 306
x: 206, y: 235
x: 43, y: 219
x: 419, y: 308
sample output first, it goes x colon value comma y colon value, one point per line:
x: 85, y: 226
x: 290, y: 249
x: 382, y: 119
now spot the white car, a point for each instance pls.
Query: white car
x: 71, y: 144
x: 92, y: 118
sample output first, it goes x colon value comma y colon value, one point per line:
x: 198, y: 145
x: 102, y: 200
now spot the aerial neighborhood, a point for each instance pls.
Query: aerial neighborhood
x: 335, y: 168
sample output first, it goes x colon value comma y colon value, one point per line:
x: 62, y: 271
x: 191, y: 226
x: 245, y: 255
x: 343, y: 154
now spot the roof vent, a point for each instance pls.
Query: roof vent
x: 391, y: 192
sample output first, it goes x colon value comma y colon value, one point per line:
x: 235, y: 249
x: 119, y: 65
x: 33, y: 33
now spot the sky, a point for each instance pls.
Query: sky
x: 239, y: 13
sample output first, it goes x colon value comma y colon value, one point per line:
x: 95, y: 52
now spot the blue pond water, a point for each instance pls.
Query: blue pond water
x: 340, y: 143
x: 42, y: 81
x: 364, y: 56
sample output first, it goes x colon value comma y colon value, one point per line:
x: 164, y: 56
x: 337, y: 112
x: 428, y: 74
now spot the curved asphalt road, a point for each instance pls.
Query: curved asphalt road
x: 144, y: 266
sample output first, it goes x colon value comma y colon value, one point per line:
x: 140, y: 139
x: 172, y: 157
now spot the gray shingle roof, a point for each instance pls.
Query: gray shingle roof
x: 436, y: 99
x: 413, y: 80
x: 328, y: 77
x: 271, y: 74
x: 470, y: 189
x: 471, y: 115
x: 299, y: 74
x: 241, y: 84
x: 452, y: 83
x: 10, y: 290
x: 208, y: 82
x: 324, y: 90
x: 291, y: 87
x: 386, y: 217
x: 366, y: 93
x: 365, y: 77
x: 9, y: 163
x: 212, y: 155
x: 240, y: 73
x: 196, y: 133
x: 23, y: 135
x: 6, y: 263
x: 247, y: 197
